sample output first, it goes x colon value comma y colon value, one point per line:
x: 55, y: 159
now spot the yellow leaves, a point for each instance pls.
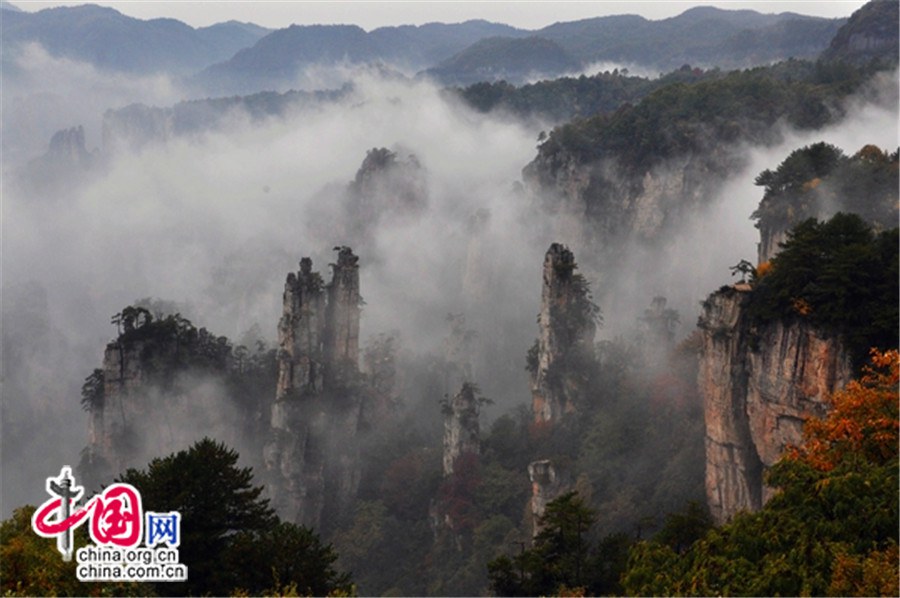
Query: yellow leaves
x: 566, y: 592
x: 872, y: 153
x: 812, y: 184
x: 863, y: 419
x: 874, y: 574
x: 801, y: 306
x: 763, y: 269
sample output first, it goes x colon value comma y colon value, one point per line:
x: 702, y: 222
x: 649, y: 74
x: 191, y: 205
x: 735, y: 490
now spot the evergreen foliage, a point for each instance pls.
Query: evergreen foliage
x: 562, y: 558
x: 565, y: 98
x: 231, y: 540
x: 840, y: 276
x: 818, y: 180
x: 225, y: 520
x: 681, y: 118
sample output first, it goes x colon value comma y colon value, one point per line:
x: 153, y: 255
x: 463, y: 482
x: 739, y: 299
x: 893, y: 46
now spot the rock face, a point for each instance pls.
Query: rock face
x: 758, y: 385
x: 461, y: 429
x: 386, y: 188
x: 870, y: 34
x: 66, y: 164
x: 341, y: 341
x: 313, y: 457
x: 567, y: 323
x: 658, y: 331
x: 597, y: 203
x: 547, y: 483
x: 163, y: 385
x: 301, y: 361
x: 67, y: 146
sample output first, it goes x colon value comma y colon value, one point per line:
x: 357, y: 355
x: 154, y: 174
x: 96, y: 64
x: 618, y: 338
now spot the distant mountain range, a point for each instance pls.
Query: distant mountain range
x: 275, y: 60
x: 109, y: 40
x: 236, y: 57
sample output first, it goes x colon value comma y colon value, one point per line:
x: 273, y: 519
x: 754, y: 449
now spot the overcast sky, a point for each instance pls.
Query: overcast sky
x: 372, y: 14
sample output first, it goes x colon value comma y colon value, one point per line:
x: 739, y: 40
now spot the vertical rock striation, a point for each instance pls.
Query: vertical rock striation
x: 758, y: 385
x: 160, y: 378
x: 300, y: 333
x: 567, y: 322
x: 547, y: 483
x: 341, y: 343
x: 313, y: 456
x: 461, y: 429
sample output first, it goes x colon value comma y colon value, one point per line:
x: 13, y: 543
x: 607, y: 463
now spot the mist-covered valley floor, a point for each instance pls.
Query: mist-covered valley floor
x: 430, y: 194
x: 212, y: 223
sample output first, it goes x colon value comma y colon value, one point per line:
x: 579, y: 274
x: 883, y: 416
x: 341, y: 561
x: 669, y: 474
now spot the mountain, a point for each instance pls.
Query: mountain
x: 481, y: 51
x: 275, y: 60
x: 870, y: 34
x: 417, y: 47
x: 701, y: 36
x: 237, y: 57
x: 231, y: 36
x: 504, y: 58
x: 112, y: 41
x: 280, y: 55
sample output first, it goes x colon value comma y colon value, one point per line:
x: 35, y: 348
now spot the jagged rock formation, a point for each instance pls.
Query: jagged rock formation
x: 163, y: 385
x: 67, y: 146
x: 301, y: 330
x: 547, y: 483
x: 461, y: 429
x: 658, y: 331
x: 66, y: 162
x: 761, y: 379
x: 313, y: 457
x: 457, y: 349
x: 600, y: 201
x: 758, y: 385
x: 385, y: 187
x: 341, y: 340
x: 567, y: 322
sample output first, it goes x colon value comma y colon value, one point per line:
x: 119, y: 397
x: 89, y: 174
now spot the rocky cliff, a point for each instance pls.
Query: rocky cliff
x: 870, y: 34
x: 461, y: 428
x: 67, y: 162
x: 758, y: 385
x: 313, y: 455
x: 599, y: 200
x: 567, y: 323
x: 547, y: 484
x: 164, y: 384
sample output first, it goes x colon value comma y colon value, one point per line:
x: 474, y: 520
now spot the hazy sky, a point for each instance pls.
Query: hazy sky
x: 371, y: 14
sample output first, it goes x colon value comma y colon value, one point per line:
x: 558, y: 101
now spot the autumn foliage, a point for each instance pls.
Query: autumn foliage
x: 863, y: 420
x: 830, y: 529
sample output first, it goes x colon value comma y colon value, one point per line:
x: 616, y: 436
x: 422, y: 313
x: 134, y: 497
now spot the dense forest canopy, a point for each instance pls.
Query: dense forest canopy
x: 839, y: 275
x: 682, y: 118
x: 819, y: 178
